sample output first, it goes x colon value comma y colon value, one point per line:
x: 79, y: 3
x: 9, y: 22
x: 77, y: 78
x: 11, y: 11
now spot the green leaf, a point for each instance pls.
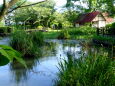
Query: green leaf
x: 4, y: 53
x: 3, y: 60
x: 7, y: 54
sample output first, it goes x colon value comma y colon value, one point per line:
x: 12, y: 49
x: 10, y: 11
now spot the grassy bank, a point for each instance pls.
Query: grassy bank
x: 83, y: 32
x: 93, y: 70
x: 105, y: 40
x: 51, y: 34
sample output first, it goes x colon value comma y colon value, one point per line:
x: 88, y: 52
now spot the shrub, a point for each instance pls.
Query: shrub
x: 27, y: 44
x: 83, y: 30
x: 5, y: 29
x: 40, y: 27
x: 37, y: 38
x: 64, y: 35
x: 94, y: 70
x: 111, y: 28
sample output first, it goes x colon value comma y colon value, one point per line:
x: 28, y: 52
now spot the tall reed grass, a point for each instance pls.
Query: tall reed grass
x: 27, y: 44
x: 94, y: 70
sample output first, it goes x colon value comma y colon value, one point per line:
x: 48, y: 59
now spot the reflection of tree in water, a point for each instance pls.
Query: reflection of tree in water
x: 90, y: 49
x: 49, y: 49
x: 20, y: 72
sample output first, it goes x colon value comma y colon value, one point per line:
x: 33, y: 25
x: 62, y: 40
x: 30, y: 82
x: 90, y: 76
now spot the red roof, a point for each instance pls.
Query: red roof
x: 88, y: 17
x: 108, y: 19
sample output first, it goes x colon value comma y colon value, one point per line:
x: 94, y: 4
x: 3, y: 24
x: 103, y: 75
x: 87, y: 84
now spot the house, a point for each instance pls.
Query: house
x: 96, y: 19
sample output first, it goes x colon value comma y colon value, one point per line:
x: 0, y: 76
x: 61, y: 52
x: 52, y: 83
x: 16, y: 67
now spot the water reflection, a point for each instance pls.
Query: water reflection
x: 42, y: 70
x: 19, y: 72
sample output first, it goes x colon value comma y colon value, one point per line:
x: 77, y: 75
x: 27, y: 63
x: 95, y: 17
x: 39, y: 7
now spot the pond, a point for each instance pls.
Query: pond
x: 42, y: 71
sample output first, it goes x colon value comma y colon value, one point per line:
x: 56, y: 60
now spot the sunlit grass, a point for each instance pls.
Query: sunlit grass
x: 93, y: 70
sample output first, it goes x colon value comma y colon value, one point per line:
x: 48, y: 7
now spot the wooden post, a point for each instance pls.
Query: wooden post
x: 97, y: 31
x: 103, y: 31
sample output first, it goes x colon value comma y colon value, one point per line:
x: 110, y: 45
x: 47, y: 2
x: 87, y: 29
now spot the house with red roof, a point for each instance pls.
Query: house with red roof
x: 96, y: 19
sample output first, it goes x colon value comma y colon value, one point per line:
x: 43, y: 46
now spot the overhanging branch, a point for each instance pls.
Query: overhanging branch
x: 25, y: 6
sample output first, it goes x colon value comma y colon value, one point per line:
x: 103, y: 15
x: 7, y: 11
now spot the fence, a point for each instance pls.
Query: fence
x: 104, y: 31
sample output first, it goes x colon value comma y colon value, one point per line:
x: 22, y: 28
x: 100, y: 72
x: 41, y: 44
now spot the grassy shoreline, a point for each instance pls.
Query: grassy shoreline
x: 93, y: 70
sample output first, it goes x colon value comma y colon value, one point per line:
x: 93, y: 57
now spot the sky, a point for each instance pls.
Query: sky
x: 59, y: 3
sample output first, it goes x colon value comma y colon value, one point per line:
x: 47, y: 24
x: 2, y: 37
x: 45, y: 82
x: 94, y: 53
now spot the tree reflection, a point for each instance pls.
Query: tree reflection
x: 19, y: 72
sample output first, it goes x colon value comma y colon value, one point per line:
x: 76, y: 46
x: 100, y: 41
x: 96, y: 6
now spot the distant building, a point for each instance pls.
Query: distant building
x: 96, y: 19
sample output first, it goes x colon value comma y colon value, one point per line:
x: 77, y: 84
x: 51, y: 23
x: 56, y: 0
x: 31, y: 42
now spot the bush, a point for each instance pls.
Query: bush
x: 27, y: 44
x: 83, y: 30
x: 64, y: 35
x: 111, y: 28
x: 87, y: 71
x: 37, y: 38
x: 40, y: 27
x: 5, y: 29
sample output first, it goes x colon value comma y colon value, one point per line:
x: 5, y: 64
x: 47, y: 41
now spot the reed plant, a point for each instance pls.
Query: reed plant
x: 27, y: 44
x: 93, y: 70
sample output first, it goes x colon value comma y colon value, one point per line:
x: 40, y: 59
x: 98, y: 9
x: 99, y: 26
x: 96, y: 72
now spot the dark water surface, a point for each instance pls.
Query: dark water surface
x: 43, y: 71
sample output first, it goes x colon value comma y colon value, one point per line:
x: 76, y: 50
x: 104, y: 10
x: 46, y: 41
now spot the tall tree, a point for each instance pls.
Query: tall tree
x: 91, y: 5
x: 7, y: 6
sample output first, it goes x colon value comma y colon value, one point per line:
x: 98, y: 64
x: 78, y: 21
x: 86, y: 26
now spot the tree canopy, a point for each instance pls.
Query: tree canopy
x: 9, y: 6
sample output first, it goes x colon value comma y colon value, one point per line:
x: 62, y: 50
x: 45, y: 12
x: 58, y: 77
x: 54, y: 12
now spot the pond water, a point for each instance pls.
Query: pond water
x: 42, y: 71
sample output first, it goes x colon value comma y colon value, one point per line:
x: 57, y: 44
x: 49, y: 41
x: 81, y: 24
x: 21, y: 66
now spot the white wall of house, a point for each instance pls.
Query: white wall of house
x: 99, y: 21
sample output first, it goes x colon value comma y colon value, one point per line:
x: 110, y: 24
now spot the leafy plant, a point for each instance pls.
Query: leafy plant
x: 8, y: 54
x: 27, y: 44
x: 93, y: 70
x: 64, y: 35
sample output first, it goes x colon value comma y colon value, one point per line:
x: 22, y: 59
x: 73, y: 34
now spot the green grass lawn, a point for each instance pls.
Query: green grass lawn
x: 74, y: 33
x: 51, y: 34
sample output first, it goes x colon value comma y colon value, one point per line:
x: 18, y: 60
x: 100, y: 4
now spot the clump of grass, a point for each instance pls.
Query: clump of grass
x: 27, y: 44
x: 83, y: 32
x: 87, y: 71
x: 37, y: 38
x: 64, y: 34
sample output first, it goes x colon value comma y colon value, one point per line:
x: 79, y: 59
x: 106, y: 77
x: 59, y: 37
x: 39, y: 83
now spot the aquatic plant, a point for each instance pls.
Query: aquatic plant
x: 27, y: 44
x: 64, y: 34
x: 93, y: 70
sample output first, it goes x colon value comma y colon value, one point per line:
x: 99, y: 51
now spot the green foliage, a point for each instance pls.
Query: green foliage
x: 93, y: 70
x: 111, y: 28
x: 64, y: 34
x: 104, y: 39
x: 113, y: 25
x: 40, y: 14
x: 83, y: 32
x: 40, y: 27
x: 71, y: 16
x: 8, y: 54
x: 37, y: 38
x: 92, y: 5
x: 27, y: 44
x: 51, y: 35
x: 5, y: 29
